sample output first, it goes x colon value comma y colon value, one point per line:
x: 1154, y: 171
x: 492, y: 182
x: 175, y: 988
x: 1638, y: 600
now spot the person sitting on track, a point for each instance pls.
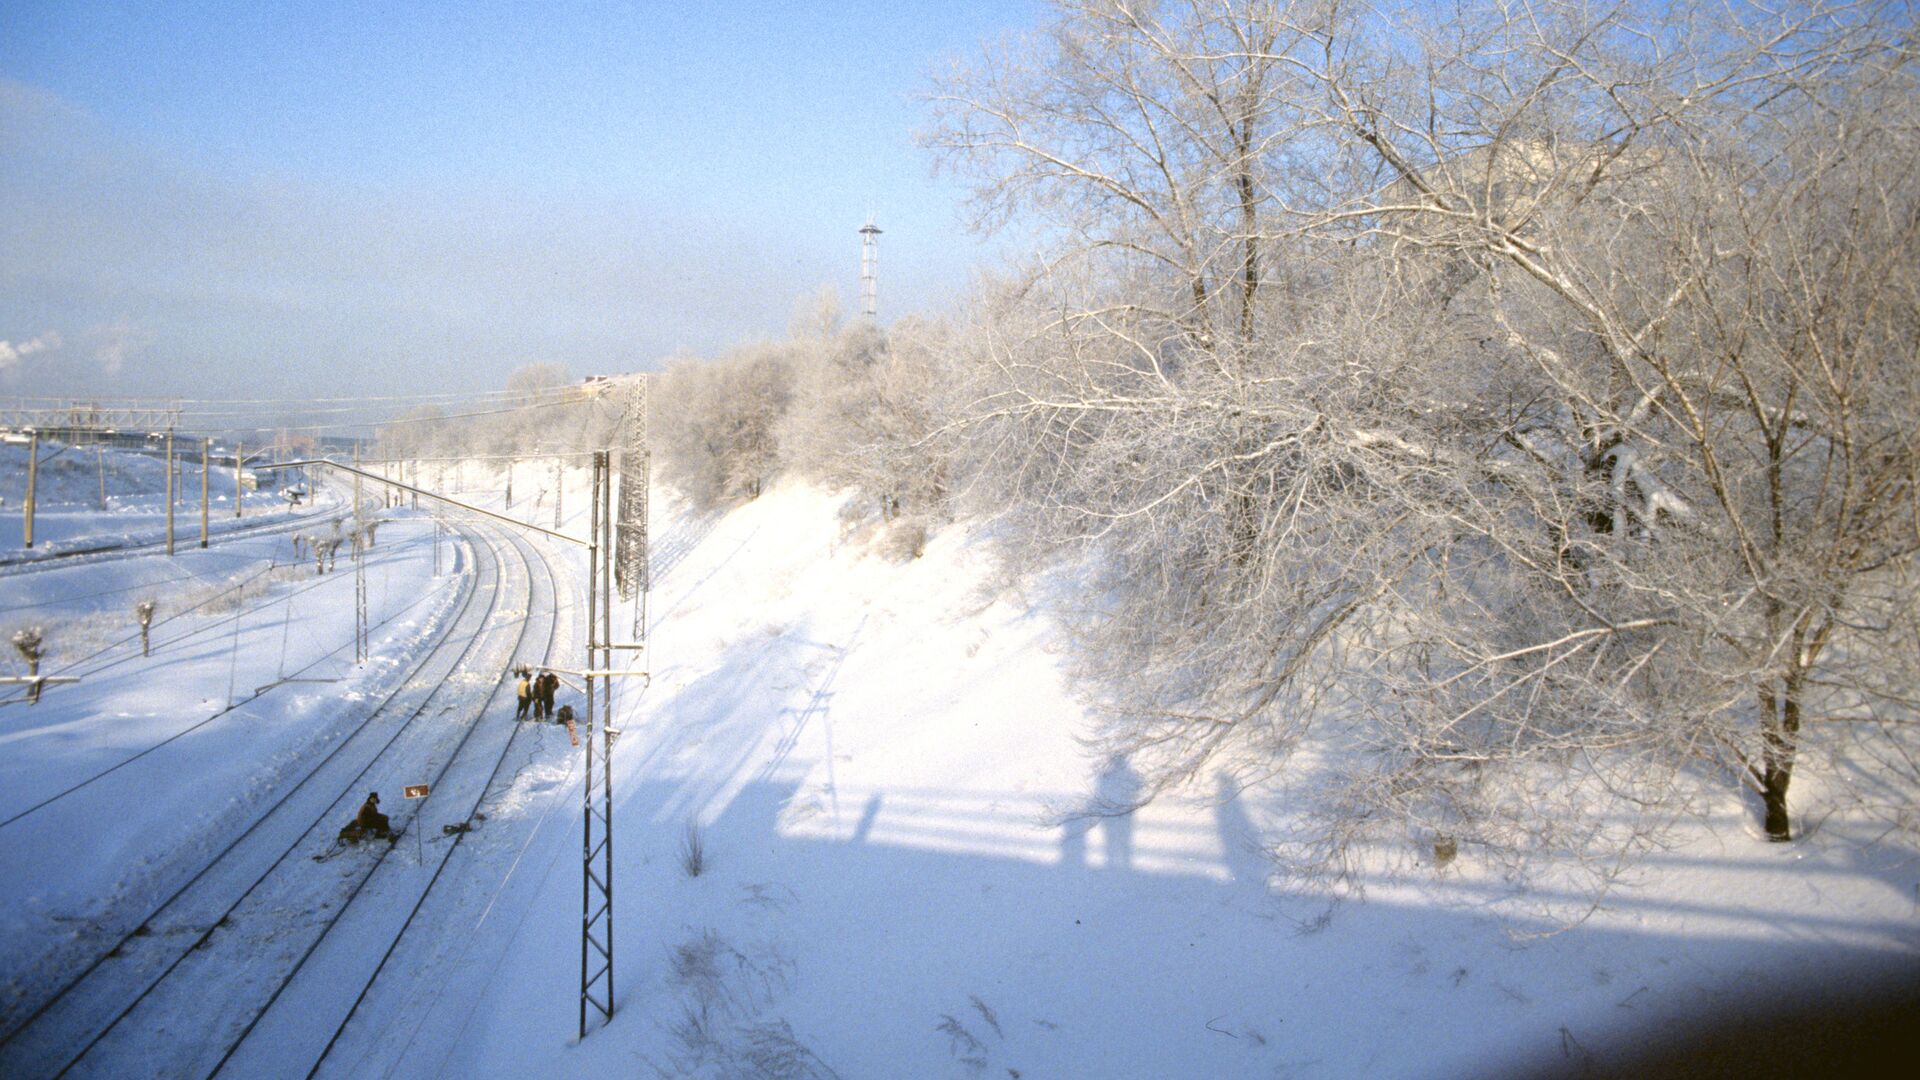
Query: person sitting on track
x: 369, y: 822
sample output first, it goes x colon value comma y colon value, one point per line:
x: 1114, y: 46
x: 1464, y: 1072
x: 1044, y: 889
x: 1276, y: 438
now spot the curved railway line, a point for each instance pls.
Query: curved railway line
x: 76, y: 668
x: 298, y: 1028
x: 261, y: 908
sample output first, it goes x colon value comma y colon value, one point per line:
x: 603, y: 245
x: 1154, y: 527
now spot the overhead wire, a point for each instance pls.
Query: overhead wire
x: 70, y: 400
x: 564, y: 393
x: 363, y: 409
x: 409, y: 420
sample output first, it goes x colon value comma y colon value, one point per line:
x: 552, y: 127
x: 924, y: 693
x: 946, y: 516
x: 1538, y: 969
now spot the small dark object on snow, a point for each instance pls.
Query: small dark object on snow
x: 456, y: 828
x: 368, y: 823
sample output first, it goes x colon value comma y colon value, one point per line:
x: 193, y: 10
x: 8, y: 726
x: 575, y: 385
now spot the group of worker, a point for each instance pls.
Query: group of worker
x: 536, y: 692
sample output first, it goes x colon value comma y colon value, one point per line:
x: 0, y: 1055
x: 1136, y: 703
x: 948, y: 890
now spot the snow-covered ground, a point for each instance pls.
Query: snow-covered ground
x: 74, y: 481
x: 876, y: 756
x: 114, y: 790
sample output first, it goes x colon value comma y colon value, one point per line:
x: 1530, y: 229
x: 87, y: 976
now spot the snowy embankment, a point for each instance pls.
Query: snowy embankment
x: 68, y: 496
x: 873, y: 758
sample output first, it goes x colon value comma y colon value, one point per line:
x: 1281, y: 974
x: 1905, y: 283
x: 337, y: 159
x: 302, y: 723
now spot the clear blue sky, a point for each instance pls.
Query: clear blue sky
x: 220, y: 198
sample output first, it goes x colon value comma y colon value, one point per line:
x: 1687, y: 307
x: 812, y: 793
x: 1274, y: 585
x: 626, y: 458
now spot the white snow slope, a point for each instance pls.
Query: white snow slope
x: 875, y: 753
x: 876, y: 756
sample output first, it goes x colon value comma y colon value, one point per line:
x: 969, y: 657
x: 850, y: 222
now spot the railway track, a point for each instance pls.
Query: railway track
x: 92, y: 665
x: 295, y: 1033
x: 262, y: 908
x: 19, y: 563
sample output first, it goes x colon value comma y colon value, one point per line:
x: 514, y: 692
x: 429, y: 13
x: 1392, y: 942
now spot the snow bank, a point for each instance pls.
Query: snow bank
x: 876, y: 755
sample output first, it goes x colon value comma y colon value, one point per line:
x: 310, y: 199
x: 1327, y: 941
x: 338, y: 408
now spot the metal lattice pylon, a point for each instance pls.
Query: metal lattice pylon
x: 596, y: 878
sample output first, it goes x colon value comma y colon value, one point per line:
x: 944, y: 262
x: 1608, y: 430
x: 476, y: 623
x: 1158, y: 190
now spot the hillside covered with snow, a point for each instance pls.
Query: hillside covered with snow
x: 859, y: 833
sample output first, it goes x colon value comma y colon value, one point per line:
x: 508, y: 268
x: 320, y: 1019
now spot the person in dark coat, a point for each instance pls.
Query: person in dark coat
x: 566, y: 717
x: 369, y: 821
x: 549, y: 686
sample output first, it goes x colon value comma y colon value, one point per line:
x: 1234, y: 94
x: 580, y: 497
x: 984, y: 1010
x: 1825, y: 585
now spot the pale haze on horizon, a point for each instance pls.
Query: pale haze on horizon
x: 223, y: 200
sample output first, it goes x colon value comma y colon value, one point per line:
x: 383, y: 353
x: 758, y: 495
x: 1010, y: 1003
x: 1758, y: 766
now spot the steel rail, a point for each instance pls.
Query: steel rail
x: 553, y: 633
x: 466, y: 602
x: 412, y: 823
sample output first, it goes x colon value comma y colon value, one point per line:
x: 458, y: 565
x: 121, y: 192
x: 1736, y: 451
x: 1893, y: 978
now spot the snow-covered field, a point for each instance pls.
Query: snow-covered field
x: 75, y: 481
x: 876, y: 757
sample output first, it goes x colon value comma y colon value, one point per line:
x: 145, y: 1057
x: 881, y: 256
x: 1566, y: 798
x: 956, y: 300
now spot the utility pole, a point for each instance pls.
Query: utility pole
x: 509, y: 485
x: 169, y: 491
x: 238, y: 460
x: 100, y: 457
x: 206, y: 451
x: 359, y: 567
x: 33, y: 476
x: 360, y: 634
x: 596, y: 878
x: 587, y: 878
x: 559, y: 484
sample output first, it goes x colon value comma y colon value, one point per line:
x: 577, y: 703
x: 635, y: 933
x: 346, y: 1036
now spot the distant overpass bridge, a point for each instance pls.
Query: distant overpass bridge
x: 126, y: 416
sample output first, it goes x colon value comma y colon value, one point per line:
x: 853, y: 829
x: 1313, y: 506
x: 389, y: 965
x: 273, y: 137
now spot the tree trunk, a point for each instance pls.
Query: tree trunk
x: 1782, y: 737
x: 1773, y: 796
x: 1198, y: 318
x: 1249, y: 227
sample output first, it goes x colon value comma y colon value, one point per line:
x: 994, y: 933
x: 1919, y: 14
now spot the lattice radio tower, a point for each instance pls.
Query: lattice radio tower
x: 870, y: 270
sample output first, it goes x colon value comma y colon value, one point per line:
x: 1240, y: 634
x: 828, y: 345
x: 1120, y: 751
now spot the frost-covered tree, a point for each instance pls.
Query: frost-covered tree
x: 715, y: 423
x: 1565, y: 445
x: 542, y: 411
x: 866, y: 411
x: 416, y: 433
x: 1145, y: 134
